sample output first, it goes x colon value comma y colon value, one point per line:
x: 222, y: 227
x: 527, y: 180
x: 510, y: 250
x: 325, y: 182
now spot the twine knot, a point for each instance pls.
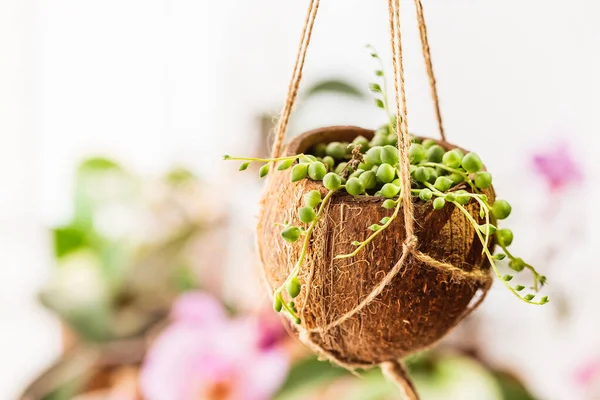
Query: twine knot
x: 410, y: 244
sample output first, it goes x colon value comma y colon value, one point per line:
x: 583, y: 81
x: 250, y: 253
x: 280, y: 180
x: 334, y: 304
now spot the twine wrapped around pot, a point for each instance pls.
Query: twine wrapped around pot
x: 405, y: 290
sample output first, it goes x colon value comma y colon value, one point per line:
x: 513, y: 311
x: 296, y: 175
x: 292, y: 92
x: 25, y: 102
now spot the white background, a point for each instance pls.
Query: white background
x: 152, y: 82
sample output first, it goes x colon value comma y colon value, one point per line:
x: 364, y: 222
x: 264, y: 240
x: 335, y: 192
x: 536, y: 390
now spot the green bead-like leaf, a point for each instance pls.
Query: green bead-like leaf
x: 425, y: 194
x: 517, y: 264
x: 389, y: 155
x: 374, y: 87
x: 501, y: 209
x: 294, y: 287
x: 417, y: 153
x: 299, y: 172
x: 285, y: 164
x: 375, y: 227
x: 472, y: 163
x: 317, y: 170
x: 332, y: 181
x: 263, y: 171
x: 291, y: 234
x: 529, y: 297
x: 244, y: 166
x: 312, y: 198
x: 439, y: 203
x: 384, y: 220
x: 389, y: 190
x: 277, y: 304
x: 389, y: 204
x: 505, y: 237
x: 354, y: 187
x: 518, y: 288
x: 487, y: 229
x: 443, y: 183
x: 307, y: 214
x: 483, y: 180
x: 507, y: 278
x: 379, y: 103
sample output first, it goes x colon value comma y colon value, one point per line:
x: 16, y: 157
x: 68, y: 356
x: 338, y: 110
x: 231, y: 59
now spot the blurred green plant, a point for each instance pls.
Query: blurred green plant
x: 333, y: 86
x: 437, y: 376
x: 124, y: 255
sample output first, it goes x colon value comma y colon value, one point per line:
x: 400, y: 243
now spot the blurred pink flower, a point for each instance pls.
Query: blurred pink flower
x: 588, y: 373
x: 557, y: 167
x: 205, y: 355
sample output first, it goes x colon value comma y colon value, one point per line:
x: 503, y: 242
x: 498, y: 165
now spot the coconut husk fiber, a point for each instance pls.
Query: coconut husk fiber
x: 438, y: 282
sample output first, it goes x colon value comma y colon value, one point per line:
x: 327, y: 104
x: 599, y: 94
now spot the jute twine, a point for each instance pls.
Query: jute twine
x: 394, y: 370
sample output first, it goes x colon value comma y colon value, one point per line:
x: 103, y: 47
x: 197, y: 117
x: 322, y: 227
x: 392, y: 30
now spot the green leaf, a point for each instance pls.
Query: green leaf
x: 507, y: 278
x: 180, y: 175
x: 379, y: 103
x: 68, y: 239
x: 529, y: 297
x: 518, y: 288
x: 264, y: 170
x: 511, y: 387
x: 379, y: 72
x: 184, y: 279
x: 99, y: 164
x: 244, y: 166
x: 356, y: 243
x: 335, y: 86
x: 309, y: 373
x: 375, y: 227
x: 500, y: 256
x: 374, y: 87
x: 285, y: 165
x: 384, y: 220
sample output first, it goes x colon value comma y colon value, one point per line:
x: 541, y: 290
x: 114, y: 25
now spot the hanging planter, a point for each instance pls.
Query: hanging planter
x: 376, y: 244
x: 411, y: 309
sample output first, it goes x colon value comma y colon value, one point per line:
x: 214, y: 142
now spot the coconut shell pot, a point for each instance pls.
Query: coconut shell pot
x: 438, y: 283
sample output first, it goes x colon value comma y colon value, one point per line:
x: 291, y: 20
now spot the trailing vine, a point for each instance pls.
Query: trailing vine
x: 371, y: 168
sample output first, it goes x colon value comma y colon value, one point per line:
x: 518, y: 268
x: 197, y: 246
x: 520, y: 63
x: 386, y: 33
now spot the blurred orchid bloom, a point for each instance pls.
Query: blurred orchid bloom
x: 588, y: 373
x: 205, y: 355
x: 557, y: 167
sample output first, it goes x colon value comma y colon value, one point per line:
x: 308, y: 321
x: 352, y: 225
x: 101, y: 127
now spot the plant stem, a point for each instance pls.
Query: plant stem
x: 453, y: 170
x: 297, y: 156
x: 307, y: 237
x: 491, y: 258
x: 373, y: 235
x: 384, y: 79
x: 484, y: 242
x: 537, y: 277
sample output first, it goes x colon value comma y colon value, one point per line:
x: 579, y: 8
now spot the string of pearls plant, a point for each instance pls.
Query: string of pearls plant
x: 370, y: 168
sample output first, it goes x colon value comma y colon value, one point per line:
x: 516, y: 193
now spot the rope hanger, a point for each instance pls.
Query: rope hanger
x: 393, y: 369
x: 305, y: 38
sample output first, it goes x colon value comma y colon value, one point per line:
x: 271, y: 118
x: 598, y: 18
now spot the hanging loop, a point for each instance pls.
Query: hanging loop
x: 401, y: 119
x: 284, y: 118
x: 429, y: 66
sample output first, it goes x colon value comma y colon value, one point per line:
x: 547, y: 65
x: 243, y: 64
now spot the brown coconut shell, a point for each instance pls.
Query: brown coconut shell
x: 419, y: 306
